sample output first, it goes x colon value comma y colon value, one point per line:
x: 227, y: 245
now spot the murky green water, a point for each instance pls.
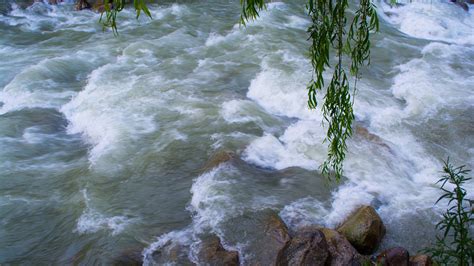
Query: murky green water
x: 103, y: 139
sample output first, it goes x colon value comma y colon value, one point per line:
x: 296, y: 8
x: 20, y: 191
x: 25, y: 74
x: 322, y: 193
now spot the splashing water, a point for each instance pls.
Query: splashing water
x: 103, y: 139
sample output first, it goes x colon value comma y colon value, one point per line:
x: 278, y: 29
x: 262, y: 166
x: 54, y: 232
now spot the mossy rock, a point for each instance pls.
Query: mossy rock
x: 364, y: 229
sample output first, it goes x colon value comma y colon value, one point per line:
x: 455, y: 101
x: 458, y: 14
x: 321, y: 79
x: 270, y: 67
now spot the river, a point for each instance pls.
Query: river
x: 103, y: 138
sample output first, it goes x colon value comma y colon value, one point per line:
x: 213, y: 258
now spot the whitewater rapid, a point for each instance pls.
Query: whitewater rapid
x: 103, y: 139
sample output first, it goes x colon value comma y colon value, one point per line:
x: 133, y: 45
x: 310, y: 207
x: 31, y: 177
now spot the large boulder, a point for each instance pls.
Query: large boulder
x: 364, y: 229
x: 307, y: 247
x: 213, y: 253
x: 420, y: 260
x: 341, y: 252
x: 397, y: 256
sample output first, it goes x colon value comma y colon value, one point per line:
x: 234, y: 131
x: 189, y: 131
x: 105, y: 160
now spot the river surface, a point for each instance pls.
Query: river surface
x: 103, y: 139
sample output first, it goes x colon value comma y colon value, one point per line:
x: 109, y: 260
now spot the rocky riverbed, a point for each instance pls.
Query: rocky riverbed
x: 354, y: 242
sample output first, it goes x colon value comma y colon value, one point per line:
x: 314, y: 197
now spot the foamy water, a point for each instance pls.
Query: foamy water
x: 103, y: 139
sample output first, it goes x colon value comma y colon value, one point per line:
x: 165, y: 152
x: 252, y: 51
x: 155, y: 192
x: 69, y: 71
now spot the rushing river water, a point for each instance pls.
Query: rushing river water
x: 103, y: 139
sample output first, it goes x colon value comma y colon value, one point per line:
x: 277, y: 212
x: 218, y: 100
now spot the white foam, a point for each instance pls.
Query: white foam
x: 301, y: 146
x: 215, y: 38
x: 211, y: 200
x: 239, y: 111
x: 297, y: 22
x: 433, y: 20
x: 398, y: 173
x: 183, y: 237
x: 31, y: 87
x: 91, y: 221
x: 211, y: 204
x: 103, y: 114
x: 280, y: 93
x: 303, y: 212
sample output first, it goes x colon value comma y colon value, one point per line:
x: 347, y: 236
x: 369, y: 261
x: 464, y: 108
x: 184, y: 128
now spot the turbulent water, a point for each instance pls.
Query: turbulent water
x: 103, y: 139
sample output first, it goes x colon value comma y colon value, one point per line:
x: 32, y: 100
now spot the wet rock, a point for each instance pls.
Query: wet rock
x: 82, y: 4
x: 341, y: 252
x: 307, y: 247
x: 397, y: 256
x: 364, y: 229
x: 172, y: 253
x: 100, y: 8
x: 261, y: 234
x: 129, y: 257
x: 99, y: 5
x: 213, y: 253
x: 218, y: 158
x: 275, y: 238
x: 462, y: 4
x: 54, y: 2
x: 420, y: 260
x: 364, y: 133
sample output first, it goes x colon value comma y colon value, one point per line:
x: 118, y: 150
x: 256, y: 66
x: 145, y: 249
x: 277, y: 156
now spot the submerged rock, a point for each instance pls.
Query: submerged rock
x: 364, y: 133
x: 172, y: 253
x: 213, y: 253
x: 218, y: 158
x: 129, y: 257
x: 307, y: 247
x: 397, y: 256
x: 341, y: 252
x: 82, y: 4
x: 364, y: 229
x: 420, y: 260
x: 462, y: 4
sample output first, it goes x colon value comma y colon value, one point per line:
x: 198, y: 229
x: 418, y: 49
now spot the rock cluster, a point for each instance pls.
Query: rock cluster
x: 352, y: 243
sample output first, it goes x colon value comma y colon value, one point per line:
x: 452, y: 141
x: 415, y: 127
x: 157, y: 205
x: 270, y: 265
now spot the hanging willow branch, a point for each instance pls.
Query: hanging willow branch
x: 330, y: 36
x: 112, y: 8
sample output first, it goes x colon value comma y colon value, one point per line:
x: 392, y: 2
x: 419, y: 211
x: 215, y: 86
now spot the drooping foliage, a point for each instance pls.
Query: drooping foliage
x: 112, y: 8
x: 331, y: 36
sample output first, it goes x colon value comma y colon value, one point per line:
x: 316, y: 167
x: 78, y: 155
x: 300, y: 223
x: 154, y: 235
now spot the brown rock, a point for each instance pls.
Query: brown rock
x: 82, y: 4
x: 364, y: 229
x: 172, y: 253
x: 341, y: 252
x: 364, y: 133
x: 129, y: 259
x: 218, y: 158
x: 54, y: 2
x: 213, y: 253
x: 420, y: 260
x: 397, y: 256
x: 462, y: 4
x: 307, y: 247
